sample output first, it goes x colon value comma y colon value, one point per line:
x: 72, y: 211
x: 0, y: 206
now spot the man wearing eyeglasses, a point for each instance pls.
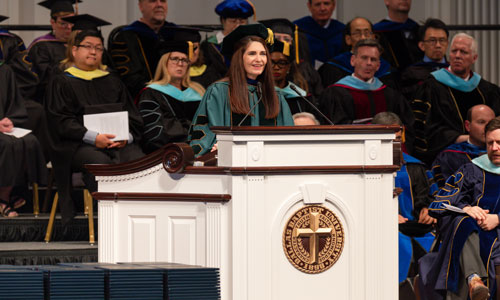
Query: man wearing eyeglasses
x: 86, y: 87
x: 134, y: 48
x: 340, y: 66
x: 433, y: 40
x: 48, y: 50
x: 443, y: 99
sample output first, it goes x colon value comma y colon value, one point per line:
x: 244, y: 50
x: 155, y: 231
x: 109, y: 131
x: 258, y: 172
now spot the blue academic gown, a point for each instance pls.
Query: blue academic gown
x: 476, y: 183
x: 406, y: 203
x: 324, y: 43
x: 452, y: 158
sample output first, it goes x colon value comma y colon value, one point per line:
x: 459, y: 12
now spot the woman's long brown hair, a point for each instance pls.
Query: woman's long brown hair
x: 238, y: 89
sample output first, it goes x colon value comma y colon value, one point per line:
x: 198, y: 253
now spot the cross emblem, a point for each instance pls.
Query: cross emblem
x: 314, y: 233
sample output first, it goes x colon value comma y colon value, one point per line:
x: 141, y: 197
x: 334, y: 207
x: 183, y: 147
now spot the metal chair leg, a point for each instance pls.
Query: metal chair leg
x: 90, y: 215
x: 36, y: 200
x: 50, y: 226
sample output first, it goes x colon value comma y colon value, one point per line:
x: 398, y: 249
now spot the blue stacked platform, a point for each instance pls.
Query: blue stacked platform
x: 186, y: 282
x: 126, y: 281
x: 66, y: 282
x: 20, y: 282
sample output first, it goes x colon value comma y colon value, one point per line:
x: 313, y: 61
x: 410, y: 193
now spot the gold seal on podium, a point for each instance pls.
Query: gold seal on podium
x: 313, y: 239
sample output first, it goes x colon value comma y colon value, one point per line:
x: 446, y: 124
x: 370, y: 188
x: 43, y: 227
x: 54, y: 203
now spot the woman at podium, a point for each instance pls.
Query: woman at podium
x: 246, y: 97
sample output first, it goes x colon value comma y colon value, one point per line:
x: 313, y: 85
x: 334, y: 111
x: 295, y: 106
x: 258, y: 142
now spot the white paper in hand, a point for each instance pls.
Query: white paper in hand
x: 453, y: 208
x: 18, y: 132
x: 111, y: 123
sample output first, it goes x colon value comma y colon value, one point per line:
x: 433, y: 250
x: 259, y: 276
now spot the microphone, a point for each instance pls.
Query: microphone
x: 259, y: 94
x: 294, y: 88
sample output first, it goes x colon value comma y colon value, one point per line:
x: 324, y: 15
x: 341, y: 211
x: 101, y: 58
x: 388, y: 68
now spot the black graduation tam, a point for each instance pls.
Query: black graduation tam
x: 3, y: 18
x: 85, y: 22
x: 287, y: 27
x: 57, y: 6
x: 283, y: 47
x: 186, y: 34
x: 185, y: 47
x: 242, y: 31
x: 235, y: 9
x: 280, y: 26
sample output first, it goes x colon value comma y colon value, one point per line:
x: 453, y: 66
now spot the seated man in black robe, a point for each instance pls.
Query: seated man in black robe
x: 134, y: 48
x: 433, y: 40
x: 470, y: 249
x: 47, y: 51
x: 358, y: 97
x: 456, y: 155
x: 340, y: 66
x: 398, y: 35
x: 21, y: 158
x: 85, y: 88
x: 442, y: 101
x: 14, y: 54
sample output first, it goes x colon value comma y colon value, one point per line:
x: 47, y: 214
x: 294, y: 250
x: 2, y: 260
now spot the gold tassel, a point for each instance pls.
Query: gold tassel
x: 191, y: 50
x: 296, y: 38
x: 286, y: 49
x: 254, y: 12
x: 270, y: 37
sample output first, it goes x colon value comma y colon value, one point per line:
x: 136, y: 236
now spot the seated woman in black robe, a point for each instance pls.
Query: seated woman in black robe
x: 287, y: 77
x: 170, y: 100
x: 21, y: 158
x: 85, y: 88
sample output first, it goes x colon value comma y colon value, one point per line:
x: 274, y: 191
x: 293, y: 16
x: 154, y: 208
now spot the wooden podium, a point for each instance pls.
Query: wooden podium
x: 286, y: 213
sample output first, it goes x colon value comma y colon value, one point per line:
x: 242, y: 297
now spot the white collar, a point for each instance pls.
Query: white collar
x: 370, y: 81
x: 465, y: 79
x: 327, y: 23
x: 220, y: 36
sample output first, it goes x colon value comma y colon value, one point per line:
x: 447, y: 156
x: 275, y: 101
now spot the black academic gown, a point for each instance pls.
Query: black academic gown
x: 68, y: 99
x: 135, y: 53
x: 216, y: 67
x: 414, y: 75
x: 209, y: 76
x: 399, y: 50
x: 13, y: 52
x: 438, y: 122
x: 46, y: 55
x: 166, y: 119
x: 343, y: 105
x: 21, y: 159
x: 15, y: 55
x: 340, y: 67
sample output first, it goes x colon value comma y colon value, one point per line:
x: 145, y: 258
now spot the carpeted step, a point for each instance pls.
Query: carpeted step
x: 41, y: 253
x: 27, y: 228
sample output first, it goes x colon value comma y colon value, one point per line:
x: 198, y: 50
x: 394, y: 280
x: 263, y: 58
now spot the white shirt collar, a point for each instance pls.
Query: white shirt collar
x: 465, y: 79
x: 370, y: 81
x: 327, y: 23
x: 220, y: 36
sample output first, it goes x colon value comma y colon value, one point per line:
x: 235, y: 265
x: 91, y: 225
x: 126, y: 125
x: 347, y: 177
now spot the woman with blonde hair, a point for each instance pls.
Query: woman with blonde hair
x: 170, y: 100
x: 247, y: 96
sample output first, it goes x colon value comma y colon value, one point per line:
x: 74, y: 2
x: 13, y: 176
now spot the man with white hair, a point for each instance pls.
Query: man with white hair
x: 442, y: 101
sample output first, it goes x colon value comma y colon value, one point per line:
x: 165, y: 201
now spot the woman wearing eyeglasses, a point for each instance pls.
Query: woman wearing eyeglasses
x: 247, y: 96
x: 287, y: 76
x: 170, y: 100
